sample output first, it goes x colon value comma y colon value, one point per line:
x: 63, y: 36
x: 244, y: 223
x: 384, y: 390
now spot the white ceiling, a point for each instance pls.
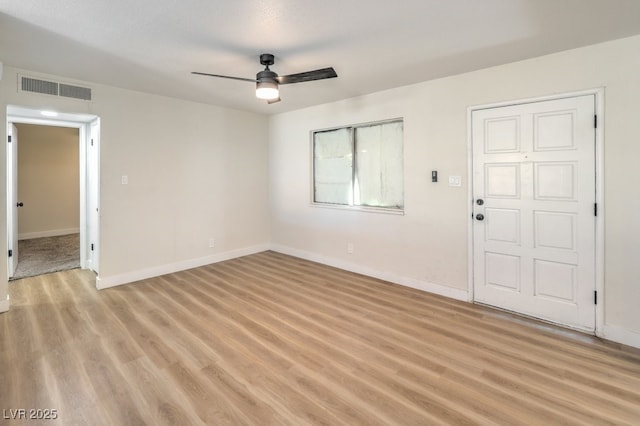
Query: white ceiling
x: 153, y: 45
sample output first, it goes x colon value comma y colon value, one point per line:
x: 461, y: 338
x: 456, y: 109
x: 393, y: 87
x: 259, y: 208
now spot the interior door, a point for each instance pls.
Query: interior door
x: 12, y: 198
x: 534, y: 219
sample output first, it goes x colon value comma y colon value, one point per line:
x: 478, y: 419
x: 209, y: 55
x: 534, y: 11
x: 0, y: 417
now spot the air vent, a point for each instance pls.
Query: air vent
x: 53, y: 88
x: 39, y: 86
x: 76, y: 92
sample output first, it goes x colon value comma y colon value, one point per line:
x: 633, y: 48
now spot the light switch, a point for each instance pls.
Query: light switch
x: 455, y: 181
x: 125, y: 179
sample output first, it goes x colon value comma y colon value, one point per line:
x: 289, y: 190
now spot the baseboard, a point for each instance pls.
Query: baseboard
x: 141, y: 274
x: 621, y: 335
x: 439, y: 289
x: 52, y: 233
x: 5, y: 304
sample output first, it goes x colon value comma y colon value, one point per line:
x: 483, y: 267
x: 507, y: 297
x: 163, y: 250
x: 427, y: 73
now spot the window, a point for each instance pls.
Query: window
x: 359, y: 166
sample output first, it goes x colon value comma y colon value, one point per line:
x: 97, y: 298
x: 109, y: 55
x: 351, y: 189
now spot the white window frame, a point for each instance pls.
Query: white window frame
x: 373, y: 209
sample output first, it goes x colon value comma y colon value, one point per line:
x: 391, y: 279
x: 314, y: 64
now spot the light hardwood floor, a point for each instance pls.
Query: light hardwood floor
x: 271, y: 339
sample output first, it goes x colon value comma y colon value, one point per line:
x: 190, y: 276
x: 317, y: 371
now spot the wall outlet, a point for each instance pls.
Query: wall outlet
x: 212, y: 243
x: 349, y: 247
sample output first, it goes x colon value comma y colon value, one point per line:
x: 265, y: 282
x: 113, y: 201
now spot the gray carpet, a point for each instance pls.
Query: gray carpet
x: 39, y: 256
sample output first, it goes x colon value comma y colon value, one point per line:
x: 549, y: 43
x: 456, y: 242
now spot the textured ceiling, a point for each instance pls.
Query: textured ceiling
x: 153, y: 45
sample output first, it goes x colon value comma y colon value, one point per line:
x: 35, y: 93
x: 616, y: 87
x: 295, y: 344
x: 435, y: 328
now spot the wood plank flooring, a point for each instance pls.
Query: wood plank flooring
x: 271, y: 339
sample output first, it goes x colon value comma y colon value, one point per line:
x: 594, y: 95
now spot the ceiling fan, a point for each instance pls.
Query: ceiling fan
x: 267, y: 81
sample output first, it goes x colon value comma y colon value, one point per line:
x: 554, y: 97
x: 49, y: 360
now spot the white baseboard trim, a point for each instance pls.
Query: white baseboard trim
x: 5, y: 304
x: 439, y: 289
x: 141, y: 274
x: 621, y: 335
x: 52, y: 233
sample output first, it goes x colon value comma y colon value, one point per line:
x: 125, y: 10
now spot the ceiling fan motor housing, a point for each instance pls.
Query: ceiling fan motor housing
x: 267, y: 75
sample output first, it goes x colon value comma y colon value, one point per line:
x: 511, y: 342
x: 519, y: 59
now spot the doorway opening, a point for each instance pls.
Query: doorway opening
x: 48, y: 199
x: 52, y: 192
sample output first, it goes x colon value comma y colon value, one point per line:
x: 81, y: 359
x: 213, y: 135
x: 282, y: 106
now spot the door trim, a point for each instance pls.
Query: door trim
x: 599, y: 196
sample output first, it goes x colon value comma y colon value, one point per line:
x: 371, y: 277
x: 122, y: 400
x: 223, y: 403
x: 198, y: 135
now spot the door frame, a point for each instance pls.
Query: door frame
x: 12, y: 199
x: 598, y: 94
x: 82, y: 122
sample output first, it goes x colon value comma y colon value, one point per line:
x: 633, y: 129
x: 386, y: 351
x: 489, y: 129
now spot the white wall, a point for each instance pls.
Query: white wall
x: 195, y: 171
x: 48, y: 180
x: 427, y: 247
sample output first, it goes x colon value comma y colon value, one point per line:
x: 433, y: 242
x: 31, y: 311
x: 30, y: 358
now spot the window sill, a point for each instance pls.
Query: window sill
x: 396, y: 212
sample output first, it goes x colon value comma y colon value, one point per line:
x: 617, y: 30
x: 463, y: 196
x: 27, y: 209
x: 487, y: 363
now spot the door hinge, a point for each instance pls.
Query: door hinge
x: 595, y: 209
x: 10, y: 253
x: 595, y: 121
x: 91, y: 142
x: 9, y: 138
x: 595, y: 297
x: 91, y: 246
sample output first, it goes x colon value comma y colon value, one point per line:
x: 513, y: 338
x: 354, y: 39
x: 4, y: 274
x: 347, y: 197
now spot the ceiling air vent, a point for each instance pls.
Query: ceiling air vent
x: 54, y: 88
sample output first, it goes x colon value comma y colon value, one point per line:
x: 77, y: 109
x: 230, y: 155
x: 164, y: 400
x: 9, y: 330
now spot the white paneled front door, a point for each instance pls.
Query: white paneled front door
x: 534, y: 220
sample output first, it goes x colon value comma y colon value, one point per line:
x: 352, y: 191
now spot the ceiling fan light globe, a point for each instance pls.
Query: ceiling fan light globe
x: 267, y: 90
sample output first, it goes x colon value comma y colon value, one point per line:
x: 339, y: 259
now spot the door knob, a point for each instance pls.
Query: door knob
x: 479, y: 201
x: 20, y: 204
x: 480, y: 216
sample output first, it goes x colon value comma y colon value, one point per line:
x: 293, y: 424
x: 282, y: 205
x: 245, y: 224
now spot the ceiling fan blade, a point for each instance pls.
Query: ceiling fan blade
x: 320, y: 74
x: 252, y: 80
x: 273, y: 101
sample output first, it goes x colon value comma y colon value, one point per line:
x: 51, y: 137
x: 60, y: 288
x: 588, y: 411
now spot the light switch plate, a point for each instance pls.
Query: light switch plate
x: 455, y: 181
x: 125, y: 180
